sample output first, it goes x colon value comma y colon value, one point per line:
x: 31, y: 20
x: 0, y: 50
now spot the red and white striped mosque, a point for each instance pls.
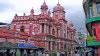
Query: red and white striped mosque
x: 52, y: 33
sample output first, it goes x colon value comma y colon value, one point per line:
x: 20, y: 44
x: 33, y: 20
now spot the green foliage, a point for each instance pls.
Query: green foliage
x: 90, y: 38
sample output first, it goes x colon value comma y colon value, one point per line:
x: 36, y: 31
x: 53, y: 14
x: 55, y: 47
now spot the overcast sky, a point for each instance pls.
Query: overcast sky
x: 73, y: 8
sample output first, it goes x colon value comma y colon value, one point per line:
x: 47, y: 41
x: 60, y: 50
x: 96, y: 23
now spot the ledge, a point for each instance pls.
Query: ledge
x: 91, y: 41
x: 94, y: 19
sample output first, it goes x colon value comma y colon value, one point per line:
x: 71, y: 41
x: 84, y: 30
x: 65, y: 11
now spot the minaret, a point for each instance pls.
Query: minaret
x: 44, y: 8
x: 24, y: 14
x: 16, y: 14
x: 32, y: 11
x: 58, y: 1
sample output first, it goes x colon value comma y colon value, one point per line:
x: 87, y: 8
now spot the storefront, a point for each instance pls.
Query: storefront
x: 21, y: 49
x: 93, y: 46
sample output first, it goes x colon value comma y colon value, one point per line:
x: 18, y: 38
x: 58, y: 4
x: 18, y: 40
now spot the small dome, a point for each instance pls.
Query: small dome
x: 16, y: 14
x: 58, y: 8
x: 44, y: 6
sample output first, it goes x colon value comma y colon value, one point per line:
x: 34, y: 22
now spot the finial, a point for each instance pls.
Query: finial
x: 24, y: 14
x: 32, y: 8
x: 44, y: 1
x: 58, y: 3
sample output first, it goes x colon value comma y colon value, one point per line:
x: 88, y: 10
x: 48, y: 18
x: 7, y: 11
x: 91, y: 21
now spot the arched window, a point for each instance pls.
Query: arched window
x: 53, y: 32
x: 22, y: 28
x: 65, y: 35
x: 36, y: 29
x: 56, y: 16
x: 42, y: 28
x: 57, y: 32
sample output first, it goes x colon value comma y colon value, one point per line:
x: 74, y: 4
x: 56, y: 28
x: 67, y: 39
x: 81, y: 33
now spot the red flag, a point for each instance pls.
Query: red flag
x: 97, y: 28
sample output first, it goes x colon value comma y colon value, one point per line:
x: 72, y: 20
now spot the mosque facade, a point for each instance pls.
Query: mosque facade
x: 49, y: 31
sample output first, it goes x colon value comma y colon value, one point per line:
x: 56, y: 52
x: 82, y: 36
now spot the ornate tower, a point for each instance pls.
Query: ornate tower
x: 44, y: 8
x: 32, y: 13
x: 58, y: 12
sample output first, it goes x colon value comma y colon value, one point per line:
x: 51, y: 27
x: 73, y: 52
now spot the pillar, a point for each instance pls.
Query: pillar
x: 51, y: 45
x: 40, y: 28
x: 40, y: 53
x: 99, y: 51
x: 25, y: 53
x: 94, y: 8
x: 51, y: 30
x: 45, y: 28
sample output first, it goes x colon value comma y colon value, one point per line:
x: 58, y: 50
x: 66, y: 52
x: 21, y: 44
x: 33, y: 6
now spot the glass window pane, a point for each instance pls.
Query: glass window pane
x: 91, y: 12
x: 98, y: 8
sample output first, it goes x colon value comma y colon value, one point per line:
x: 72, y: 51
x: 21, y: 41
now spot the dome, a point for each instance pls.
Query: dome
x: 58, y: 8
x: 44, y: 6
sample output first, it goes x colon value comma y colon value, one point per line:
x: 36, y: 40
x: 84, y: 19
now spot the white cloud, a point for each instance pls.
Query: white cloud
x: 72, y: 7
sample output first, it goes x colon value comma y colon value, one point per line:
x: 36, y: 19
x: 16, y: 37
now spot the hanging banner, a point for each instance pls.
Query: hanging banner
x: 97, y: 28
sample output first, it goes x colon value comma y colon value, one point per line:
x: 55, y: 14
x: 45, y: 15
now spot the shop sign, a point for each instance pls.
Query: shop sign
x: 25, y: 45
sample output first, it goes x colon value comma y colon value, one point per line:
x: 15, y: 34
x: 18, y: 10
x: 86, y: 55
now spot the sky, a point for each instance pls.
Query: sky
x: 73, y: 8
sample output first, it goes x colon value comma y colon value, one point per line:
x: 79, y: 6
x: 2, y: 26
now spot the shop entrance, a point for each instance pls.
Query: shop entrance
x: 1, y: 54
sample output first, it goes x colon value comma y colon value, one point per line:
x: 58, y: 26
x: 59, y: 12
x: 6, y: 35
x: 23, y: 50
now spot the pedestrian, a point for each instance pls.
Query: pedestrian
x: 76, y: 53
